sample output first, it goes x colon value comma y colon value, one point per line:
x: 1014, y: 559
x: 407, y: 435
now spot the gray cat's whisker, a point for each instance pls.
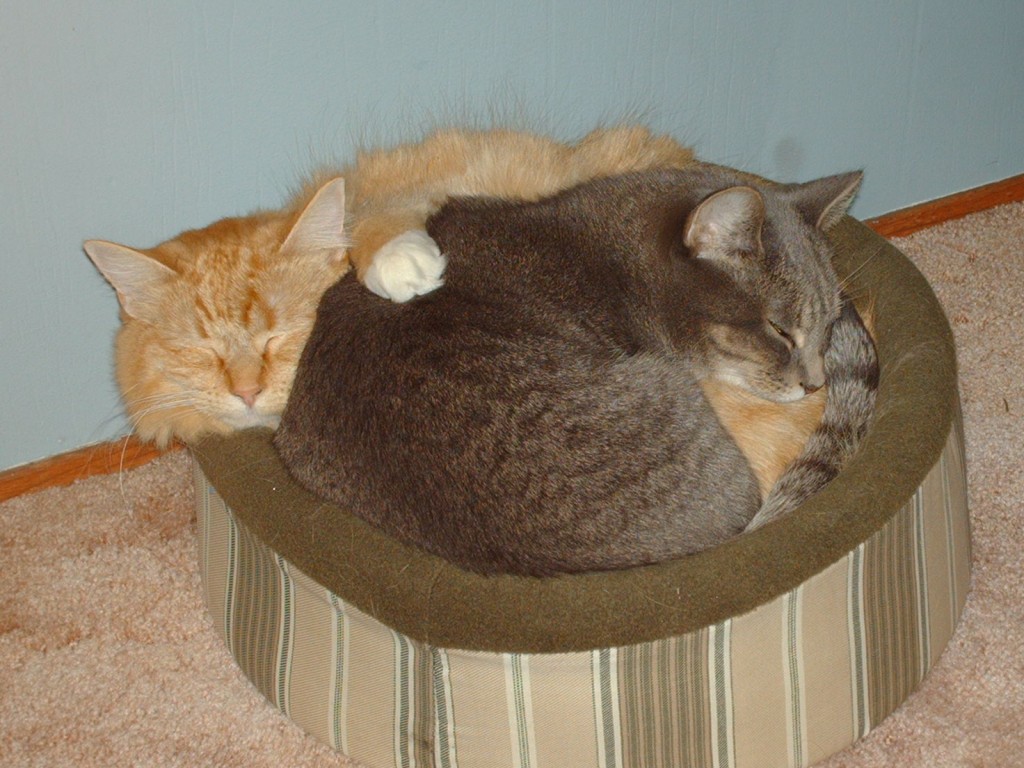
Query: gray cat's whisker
x: 856, y: 271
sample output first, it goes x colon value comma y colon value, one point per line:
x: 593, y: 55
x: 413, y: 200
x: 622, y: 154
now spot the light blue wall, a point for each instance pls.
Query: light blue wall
x: 134, y: 120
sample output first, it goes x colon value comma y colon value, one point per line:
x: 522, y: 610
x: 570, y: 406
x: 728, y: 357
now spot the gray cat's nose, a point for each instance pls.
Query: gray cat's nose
x: 812, y: 373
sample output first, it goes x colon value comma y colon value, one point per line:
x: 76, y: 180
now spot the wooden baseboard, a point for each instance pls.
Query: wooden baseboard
x: 129, y: 453
x: 66, y: 468
x: 908, y: 220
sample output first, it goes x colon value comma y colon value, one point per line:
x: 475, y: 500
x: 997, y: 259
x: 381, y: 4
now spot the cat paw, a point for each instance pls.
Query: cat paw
x: 406, y: 266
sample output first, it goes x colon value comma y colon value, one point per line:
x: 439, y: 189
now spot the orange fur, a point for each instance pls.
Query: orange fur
x: 395, y: 190
x: 769, y: 434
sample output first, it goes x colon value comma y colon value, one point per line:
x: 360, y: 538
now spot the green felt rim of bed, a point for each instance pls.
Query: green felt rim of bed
x: 429, y: 600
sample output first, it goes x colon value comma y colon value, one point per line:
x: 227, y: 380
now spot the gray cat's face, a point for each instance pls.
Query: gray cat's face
x: 771, y: 244
x: 780, y: 354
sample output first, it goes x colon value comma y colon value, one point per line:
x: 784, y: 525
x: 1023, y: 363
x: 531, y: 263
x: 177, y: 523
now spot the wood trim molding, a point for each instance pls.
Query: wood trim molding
x: 908, y: 220
x: 128, y: 453
x: 66, y: 468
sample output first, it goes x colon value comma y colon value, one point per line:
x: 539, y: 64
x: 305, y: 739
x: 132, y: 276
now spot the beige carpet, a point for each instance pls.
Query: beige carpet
x: 107, y: 657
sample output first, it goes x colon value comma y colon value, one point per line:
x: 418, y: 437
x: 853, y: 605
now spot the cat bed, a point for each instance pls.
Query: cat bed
x: 777, y: 648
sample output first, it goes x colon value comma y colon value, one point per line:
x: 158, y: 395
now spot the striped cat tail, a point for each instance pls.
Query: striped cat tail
x: 851, y: 369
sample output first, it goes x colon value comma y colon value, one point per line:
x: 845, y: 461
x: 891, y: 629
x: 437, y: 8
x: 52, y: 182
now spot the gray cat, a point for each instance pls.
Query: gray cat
x: 541, y: 413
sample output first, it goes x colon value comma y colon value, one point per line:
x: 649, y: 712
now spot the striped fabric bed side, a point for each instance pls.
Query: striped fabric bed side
x: 784, y: 685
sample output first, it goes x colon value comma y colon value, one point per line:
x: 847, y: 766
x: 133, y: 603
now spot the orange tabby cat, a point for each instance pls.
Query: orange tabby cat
x: 214, y: 320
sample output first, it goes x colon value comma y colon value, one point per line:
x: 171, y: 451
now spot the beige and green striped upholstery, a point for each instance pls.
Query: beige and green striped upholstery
x: 775, y: 649
x: 784, y: 685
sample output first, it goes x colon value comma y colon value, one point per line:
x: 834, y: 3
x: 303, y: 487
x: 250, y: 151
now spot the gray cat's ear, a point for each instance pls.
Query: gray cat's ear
x: 320, y: 227
x: 726, y: 223
x: 136, y: 277
x: 823, y: 202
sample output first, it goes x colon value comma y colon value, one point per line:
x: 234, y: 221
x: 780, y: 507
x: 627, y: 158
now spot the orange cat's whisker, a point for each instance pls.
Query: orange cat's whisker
x: 136, y: 415
x: 159, y: 403
x: 120, y: 477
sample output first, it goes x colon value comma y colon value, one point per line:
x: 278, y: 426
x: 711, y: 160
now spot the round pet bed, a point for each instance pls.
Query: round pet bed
x: 777, y: 648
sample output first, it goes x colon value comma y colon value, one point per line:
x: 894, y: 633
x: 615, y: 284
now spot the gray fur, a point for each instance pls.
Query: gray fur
x: 851, y: 367
x: 541, y: 413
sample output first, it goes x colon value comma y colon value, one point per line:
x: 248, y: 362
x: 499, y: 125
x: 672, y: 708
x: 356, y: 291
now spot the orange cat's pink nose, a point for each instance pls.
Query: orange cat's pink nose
x: 248, y: 393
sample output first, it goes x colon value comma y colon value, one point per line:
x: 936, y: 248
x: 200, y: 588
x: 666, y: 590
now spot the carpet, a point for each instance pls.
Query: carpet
x: 107, y: 657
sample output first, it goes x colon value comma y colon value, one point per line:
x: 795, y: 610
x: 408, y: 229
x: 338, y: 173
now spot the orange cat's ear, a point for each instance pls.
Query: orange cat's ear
x: 321, y: 225
x: 136, y: 277
x: 823, y: 202
x: 726, y: 223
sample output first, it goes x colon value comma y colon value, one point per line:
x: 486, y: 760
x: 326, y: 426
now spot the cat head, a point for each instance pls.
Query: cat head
x: 214, y: 320
x: 770, y: 243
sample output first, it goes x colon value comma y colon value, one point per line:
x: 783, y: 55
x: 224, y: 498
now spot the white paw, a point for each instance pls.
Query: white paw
x: 406, y: 266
